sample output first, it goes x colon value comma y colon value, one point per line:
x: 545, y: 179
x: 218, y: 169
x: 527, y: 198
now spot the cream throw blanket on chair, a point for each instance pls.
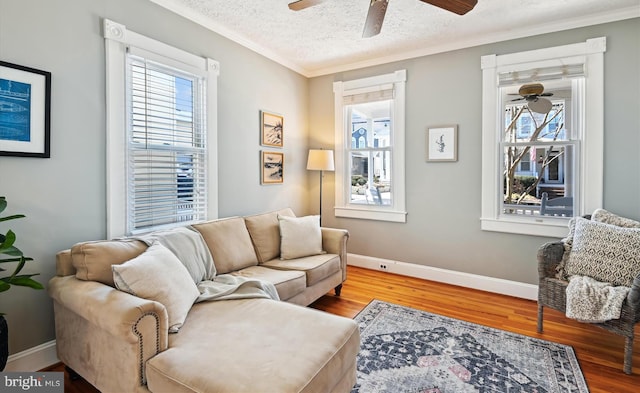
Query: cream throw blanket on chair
x: 190, y: 248
x: 593, y: 301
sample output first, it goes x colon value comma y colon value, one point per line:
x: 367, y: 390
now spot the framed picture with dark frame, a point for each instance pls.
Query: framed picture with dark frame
x: 271, y: 167
x: 442, y: 143
x: 25, y: 111
x: 272, y: 127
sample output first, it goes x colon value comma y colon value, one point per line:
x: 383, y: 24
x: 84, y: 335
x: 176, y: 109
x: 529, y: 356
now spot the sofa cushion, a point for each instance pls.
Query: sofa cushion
x: 264, y: 230
x: 604, y: 252
x: 158, y: 275
x: 288, y: 283
x: 316, y: 267
x: 93, y: 260
x: 229, y: 242
x: 299, y: 236
x: 289, y: 349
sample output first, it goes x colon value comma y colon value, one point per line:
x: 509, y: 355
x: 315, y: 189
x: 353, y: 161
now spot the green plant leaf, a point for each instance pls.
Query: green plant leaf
x: 4, y: 286
x: 12, y: 217
x: 3, y: 204
x: 13, y: 251
x: 8, y: 241
x: 18, y: 259
x: 26, y: 281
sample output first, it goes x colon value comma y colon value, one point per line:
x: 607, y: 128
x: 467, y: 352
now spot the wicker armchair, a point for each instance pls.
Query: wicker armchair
x: 552, y: 293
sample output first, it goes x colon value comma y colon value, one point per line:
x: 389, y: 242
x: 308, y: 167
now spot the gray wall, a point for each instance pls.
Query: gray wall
x: 64, y: 197
x: 443, y: 199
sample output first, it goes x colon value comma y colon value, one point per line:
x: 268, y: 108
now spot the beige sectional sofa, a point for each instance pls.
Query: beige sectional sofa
x: 121, y: 343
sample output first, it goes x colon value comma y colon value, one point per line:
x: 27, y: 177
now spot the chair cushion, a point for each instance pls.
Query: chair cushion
x: 229, y: 243
x: 607, y: 217
x: 265, y: 233
x: 93, y: 260
x: 604, y: 252
x: 300, y: 236
x: 316, y: 267
x: 158, y: 275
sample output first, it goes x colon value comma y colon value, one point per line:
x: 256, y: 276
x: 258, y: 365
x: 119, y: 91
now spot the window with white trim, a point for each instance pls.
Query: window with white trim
x: 369, y: 145
x: 542, y: 137
x: 159, y: 133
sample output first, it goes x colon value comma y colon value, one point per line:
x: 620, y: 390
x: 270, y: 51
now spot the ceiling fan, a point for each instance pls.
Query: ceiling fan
x: 377, y: 9
x: 532, y: 93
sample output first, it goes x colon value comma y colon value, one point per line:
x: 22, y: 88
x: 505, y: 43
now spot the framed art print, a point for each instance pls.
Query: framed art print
x: 272, y: 127
x: 272, y: 167
x: 442, y: 143
x: 25, y: 109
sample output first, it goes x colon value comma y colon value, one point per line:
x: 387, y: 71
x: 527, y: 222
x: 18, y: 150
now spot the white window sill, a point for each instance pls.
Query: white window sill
x: 371, y: 214
x: 539, y: 226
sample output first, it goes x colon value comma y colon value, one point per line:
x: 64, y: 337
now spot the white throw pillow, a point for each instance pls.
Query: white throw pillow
x: 299, y: 236
x: 604, y: 252
x: 157, y: 274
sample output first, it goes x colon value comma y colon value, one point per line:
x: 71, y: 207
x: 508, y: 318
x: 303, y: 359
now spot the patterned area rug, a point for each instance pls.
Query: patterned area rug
x: 411, y: 351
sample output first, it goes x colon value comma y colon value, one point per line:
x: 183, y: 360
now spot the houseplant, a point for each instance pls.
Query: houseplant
x: 13, y: 254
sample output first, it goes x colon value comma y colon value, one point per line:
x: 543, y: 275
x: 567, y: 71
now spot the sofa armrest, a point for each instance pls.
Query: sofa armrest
x: 334, y: 241
x: 110, y: 327
x: 549, y: 257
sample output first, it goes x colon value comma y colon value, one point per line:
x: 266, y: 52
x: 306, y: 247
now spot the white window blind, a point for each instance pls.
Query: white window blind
x: 166, y: 145
x: 541, y: 74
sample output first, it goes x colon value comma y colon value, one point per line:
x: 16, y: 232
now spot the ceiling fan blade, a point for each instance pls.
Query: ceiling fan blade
x: 302, y: 4
x: 459, y: 7
x: 375, y: 17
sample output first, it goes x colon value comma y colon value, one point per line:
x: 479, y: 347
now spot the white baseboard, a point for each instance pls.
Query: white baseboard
x: 33, y: 359
x: 475, y: 281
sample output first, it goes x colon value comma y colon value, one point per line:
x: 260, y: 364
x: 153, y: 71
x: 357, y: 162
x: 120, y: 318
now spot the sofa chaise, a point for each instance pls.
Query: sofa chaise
x: 120, y: 342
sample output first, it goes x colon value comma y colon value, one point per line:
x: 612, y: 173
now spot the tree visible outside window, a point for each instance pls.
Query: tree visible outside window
x: 529, y: 157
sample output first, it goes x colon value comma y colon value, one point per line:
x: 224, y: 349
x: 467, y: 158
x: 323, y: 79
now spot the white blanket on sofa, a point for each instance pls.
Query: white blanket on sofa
x: 593, y: 301
x: 190, y: 248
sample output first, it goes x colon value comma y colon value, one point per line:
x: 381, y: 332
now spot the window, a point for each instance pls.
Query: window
x: 370, y: 148
x: 531, y: 151
x: 160, y: 134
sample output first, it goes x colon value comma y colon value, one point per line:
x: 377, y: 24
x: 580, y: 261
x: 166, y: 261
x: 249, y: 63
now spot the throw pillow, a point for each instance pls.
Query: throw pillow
x: 604, y: 252
x: 299, y: 236
x: 607, y: 217
x: 157, y: 274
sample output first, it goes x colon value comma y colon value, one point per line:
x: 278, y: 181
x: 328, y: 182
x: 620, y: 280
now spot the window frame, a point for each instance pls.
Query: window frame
x: 396, y: 211
x: 590, y: 161
x: 117, y: 40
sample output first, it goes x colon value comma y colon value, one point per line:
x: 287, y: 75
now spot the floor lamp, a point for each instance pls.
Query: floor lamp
x: 320, y: 160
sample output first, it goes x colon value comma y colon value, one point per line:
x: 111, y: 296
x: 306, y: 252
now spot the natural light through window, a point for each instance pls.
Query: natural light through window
x: 370, y: 147
x: 542, y: 141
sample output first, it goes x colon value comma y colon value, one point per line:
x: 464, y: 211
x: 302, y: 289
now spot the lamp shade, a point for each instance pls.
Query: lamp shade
x: 320, y: 160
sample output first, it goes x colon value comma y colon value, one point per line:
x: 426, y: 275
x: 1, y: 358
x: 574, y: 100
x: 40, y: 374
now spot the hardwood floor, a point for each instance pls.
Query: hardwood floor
x: 599, y: 352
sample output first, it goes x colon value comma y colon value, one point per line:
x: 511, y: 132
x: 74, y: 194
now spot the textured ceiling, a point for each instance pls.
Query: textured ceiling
x: 327, y: 38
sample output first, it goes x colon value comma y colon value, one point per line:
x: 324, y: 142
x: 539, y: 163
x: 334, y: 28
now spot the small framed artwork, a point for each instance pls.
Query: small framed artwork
x: 442, y: 143
x: 271, y: 167
x: 272, y: 127
x: 25, y: 110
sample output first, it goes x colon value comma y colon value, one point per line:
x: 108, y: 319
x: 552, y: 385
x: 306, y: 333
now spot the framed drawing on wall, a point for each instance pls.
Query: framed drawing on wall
x: 272, y: 127
x: 25, y: 109
x: 442, y: 143
x: 271, y: 167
